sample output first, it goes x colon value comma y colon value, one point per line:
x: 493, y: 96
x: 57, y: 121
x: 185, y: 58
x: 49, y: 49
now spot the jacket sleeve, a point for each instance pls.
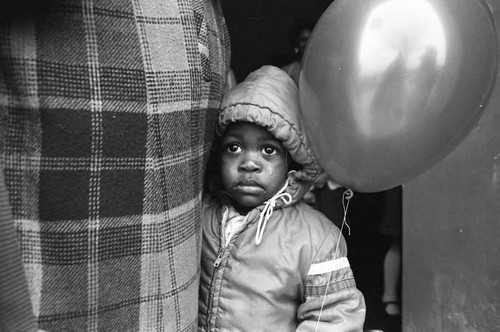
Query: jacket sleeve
x: 331, y: 300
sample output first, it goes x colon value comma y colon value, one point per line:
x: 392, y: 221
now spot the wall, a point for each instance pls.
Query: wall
x: 451, y: 236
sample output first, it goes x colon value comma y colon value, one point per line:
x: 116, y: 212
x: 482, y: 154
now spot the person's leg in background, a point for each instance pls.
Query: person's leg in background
x: 391, y: 226
x: 392, y: 276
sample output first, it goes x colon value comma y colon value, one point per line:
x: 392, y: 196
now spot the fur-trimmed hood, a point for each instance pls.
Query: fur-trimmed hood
x: 269, y: 98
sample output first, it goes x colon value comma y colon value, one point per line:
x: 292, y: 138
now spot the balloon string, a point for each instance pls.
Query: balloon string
x: 346, y: 197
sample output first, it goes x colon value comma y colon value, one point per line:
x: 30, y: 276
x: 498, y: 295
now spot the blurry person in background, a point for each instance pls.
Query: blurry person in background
x: 391, y: 225
x: 298, y: 37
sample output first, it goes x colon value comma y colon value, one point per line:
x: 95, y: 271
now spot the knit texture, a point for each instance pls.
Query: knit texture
x: 108, y: 109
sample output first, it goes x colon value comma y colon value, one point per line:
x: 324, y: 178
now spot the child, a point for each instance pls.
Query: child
x: 270, y: 262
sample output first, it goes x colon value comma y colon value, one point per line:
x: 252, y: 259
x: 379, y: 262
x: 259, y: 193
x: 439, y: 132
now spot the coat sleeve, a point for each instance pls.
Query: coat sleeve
x: 331, y: 300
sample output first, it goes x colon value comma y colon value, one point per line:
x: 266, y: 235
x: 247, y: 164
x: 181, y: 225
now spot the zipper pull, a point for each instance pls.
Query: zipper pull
x: 218, y: 260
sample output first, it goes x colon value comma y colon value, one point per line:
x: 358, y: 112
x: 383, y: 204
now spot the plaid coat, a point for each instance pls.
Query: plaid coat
x: 107, y: 114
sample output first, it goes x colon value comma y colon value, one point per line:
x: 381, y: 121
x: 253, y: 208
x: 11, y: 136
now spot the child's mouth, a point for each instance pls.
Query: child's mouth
x: 248, y: 187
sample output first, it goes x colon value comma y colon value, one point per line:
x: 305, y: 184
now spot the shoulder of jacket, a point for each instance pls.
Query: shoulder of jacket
x: 311, y: 220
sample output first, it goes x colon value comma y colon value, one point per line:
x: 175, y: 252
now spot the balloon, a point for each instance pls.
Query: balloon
x: 390, y: 87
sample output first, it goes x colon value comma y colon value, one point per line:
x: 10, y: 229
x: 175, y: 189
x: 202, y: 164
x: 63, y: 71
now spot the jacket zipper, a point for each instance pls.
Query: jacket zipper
x: 211, y: 296
x: 219, y: 258
x: 216, y: 264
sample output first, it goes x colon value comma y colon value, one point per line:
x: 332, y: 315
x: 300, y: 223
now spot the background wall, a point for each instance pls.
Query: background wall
x: 451, y: 239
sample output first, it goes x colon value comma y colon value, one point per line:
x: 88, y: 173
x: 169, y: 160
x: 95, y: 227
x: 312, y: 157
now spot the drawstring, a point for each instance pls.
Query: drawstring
x: 268, y: 209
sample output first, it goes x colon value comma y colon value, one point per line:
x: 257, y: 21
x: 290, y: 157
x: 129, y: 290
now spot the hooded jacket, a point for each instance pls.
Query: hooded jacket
x: 285, y: 266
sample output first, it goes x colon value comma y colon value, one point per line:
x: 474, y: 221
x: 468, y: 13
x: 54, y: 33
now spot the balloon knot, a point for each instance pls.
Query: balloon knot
x: 348, y: 194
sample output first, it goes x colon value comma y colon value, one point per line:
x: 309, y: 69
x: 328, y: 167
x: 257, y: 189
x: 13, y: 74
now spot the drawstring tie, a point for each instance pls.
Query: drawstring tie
x: 268, y: 209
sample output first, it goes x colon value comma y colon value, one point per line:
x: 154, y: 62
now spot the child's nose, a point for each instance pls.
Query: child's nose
x: 250, y: 164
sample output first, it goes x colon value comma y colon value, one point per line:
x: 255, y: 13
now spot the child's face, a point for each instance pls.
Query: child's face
x: 253, y: 164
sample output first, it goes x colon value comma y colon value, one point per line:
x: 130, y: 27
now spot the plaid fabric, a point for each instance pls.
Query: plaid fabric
x: 107, y: 114
x: 16, y: 312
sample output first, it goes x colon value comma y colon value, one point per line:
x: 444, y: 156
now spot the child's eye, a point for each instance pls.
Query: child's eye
x: 269, y: 150
x: 233, y: 148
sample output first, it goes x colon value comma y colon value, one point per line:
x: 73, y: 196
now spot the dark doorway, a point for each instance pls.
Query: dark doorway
x: 260, y: 34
